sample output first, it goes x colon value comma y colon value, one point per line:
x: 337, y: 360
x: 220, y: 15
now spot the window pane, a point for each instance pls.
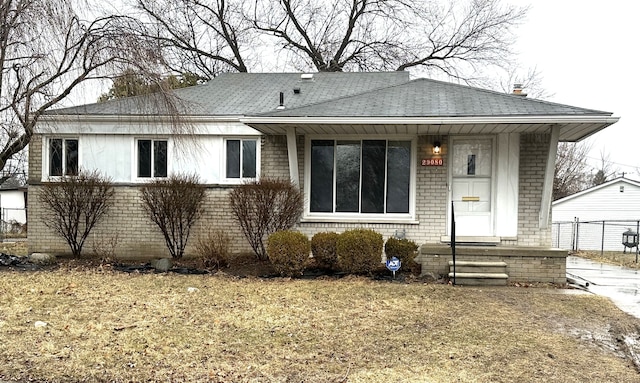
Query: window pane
x: 249, y: 158
x: 55, y: 157
x: 373, y: 174
x: 398, y: 176
x: 71, y: 160
x: 233, y: 158
x: 321, y: 176
x: 160, y: 158
x: 144, y: 158
x: 347, y: 176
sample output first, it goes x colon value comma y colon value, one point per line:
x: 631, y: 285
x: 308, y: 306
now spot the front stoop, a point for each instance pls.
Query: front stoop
x: 474, y: 273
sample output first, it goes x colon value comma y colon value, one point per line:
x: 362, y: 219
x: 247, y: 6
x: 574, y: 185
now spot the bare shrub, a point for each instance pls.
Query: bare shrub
x: 104, y: 246
x: 75, y: 204
x: 174, y: 204
x: 265, y: 206
x: 213, y: 249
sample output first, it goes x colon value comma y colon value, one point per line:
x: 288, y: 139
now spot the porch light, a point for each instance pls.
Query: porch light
x: 436, y: 147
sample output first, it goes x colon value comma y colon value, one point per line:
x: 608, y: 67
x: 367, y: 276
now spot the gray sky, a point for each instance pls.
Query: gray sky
x: 585, y: 51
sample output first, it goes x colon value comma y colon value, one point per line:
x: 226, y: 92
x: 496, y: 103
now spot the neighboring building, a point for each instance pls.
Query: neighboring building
x: 13, y: 207
x: 595, y: 218
x: 373, y: 150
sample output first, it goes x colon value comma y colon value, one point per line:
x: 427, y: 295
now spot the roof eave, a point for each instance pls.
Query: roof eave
x: 608, y: 119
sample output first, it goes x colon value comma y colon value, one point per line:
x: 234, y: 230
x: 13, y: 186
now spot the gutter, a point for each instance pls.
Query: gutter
x: 598, y: 119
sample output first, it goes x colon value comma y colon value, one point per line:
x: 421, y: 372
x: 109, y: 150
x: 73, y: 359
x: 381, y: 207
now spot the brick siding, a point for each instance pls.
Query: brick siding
x: 138, y: 235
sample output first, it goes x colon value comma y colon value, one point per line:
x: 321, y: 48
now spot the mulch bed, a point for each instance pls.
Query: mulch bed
x: 240, y: 266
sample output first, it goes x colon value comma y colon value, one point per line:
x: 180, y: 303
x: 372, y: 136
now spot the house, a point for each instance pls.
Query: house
x: 595, y: 218
x: 372, y: 150
x: 13, y: 202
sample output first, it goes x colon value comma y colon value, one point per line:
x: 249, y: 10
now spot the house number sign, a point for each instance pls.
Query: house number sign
x: 432, y: 162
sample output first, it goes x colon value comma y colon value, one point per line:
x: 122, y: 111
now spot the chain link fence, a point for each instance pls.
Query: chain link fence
x: 599, y: 236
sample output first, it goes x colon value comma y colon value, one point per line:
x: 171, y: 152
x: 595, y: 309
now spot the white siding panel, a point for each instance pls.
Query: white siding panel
x: 201, y: 156
x: 12, y: 203
x: 109, y: 154
x: 606, y: 203
x: 508, y: 157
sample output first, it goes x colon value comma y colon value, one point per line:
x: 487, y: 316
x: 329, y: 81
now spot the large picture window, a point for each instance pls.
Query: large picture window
x: 152, y: 158
x: 63, y: 157
x: 360, y: 176
x: 241, y: 157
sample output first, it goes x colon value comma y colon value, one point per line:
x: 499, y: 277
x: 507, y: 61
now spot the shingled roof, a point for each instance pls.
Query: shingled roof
x: 357, y: 103
x: 244, y: 94
x: 430, y: 98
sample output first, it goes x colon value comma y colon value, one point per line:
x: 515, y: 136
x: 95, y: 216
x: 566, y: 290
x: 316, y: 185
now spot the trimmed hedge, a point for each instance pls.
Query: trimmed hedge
x: 405, y: 251
x: 359, y: 250
x: 323, y: 247
x: 288, y: 251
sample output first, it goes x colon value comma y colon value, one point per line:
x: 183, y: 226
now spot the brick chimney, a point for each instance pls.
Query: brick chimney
x: 517, y: 90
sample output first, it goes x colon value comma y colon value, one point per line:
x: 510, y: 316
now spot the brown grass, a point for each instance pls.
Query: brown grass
x: 104, y: 325
x: 613, y: 258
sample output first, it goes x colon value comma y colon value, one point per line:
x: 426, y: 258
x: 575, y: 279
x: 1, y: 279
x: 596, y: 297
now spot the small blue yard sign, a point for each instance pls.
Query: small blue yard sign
x: 393, y: 265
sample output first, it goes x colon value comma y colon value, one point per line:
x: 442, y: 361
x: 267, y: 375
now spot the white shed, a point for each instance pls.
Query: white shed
x: 595, y: 218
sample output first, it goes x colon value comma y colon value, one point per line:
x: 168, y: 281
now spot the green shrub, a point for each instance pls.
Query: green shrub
x: 288, y: 251
x: 213, y: 249
x: 405, y: 251
x: 359, y: 250
x: 323, y: 247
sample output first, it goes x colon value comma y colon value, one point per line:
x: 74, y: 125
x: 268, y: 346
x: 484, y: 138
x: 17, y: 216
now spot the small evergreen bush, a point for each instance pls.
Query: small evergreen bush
x: 288, y: 251
x: 323, y: 247
x: 359, y: 250
x: 213, y: 249
x: 405, y: 251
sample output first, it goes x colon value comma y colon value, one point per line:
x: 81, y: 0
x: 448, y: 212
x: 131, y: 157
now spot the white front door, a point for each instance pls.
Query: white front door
x: 471, y: 173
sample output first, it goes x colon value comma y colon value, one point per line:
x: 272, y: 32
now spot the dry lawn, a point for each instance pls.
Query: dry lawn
x: 613, y: 258
x: 103, y: 325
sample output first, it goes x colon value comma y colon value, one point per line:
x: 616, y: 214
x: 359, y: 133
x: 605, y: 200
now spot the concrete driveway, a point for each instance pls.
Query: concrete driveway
x: 619, y: 284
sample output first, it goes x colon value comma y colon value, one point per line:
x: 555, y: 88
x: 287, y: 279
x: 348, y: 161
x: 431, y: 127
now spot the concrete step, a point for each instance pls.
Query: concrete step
x: 479, y: 267
x: 480, y: 279
x: 476, y: 273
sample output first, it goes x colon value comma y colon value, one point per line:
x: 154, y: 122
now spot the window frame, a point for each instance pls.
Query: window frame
x: 46, y: 169
x: 223, y: 164
x: 136, y: 158
x: 358, y: 217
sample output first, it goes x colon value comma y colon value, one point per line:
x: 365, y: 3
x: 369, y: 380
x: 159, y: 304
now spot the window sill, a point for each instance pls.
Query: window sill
x: 360, y: 220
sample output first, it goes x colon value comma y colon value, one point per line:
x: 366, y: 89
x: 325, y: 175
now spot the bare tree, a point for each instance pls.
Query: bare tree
x: 74, y: 205
x: 47, y: 49
x: 205, y: 37
x: 605, y: 171
x: 208, y: 37
x: 431, y: 36
x: 571, y: 173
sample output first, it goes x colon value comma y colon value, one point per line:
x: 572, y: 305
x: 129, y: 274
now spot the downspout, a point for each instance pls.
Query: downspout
x: 547, y: 188
x: 292, y: 152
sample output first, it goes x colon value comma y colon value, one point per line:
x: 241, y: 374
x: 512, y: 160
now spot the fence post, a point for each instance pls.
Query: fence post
x: 577, y: 234
x: 602, y: 241
x: 637, y: 232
